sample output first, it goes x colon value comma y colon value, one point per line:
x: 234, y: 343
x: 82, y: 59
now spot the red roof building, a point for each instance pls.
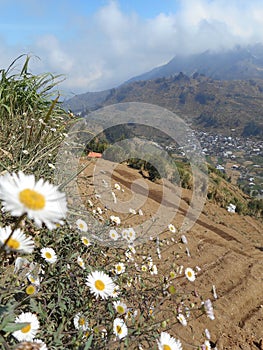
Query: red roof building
x: 94, y: 155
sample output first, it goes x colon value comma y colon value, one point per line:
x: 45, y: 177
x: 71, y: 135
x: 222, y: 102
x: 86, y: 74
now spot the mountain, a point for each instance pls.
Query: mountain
x: 85, y: 102
x: 213, y: 91
x: 236, y: 64
x: 205, y: 103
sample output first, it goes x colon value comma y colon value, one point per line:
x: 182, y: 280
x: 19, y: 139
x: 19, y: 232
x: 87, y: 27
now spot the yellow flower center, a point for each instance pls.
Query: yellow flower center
x: 189, y: 274
x: 81, y: 226
x: 30, y: 290
x: 13, y: 244
x: 48, y: 255
x: 119, y: 329
x: 81, y: 321
x: 166, y: 347
x: 120, y: 309
x: 26, y: 329
x: 85, y: 241
x: 32, y: 199
x: 99, y: 285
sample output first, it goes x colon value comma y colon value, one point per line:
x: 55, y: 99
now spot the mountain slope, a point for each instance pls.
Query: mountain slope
x: 206, y: 103
x: 226, y: 246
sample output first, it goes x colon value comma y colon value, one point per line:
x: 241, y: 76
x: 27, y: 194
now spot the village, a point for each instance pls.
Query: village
x: 237, y: 157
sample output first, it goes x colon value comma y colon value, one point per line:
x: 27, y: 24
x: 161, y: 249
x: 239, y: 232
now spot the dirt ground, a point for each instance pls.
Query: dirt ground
x: 226, y: 246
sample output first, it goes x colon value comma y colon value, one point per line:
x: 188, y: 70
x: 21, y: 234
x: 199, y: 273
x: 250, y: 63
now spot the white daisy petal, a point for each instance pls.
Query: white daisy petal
x: 166, y: 342
x: 120, y: 307
x: 119, y: 268
x: 41, y: 201
x: 85, y: 240
x: 172, y: 228
x: 119, y: 328
x: 114, y: 235
x: 28, y: 332
x: 18, y: 242
x: 82, y: 225
x: 100, y: 284
x: 81, y: 322
x: 49, y: 255
x: 190, y: 274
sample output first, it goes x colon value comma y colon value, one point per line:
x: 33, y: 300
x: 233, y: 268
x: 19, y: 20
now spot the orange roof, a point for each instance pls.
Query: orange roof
x: 94, y: 155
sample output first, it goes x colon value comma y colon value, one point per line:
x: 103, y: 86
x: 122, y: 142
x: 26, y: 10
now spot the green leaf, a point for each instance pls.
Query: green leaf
x: 88, y: 344
x: 3, y: 309
x: 12, y: 327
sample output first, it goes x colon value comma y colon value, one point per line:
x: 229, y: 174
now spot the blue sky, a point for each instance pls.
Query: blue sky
x: 98, y: 44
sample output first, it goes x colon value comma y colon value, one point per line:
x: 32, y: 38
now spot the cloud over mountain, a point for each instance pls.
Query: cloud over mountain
x: 101, y: 49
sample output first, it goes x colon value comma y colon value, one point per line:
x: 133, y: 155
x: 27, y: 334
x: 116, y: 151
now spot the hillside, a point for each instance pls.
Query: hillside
x: 213, y: 90
x: 206, y: 103
x: 227, y: 247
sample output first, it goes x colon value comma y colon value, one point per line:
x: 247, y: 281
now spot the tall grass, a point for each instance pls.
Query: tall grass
x: 32, y: 124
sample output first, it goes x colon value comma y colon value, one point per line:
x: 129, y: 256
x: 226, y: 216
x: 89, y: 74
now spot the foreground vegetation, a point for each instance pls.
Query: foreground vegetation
x: 59, y: 288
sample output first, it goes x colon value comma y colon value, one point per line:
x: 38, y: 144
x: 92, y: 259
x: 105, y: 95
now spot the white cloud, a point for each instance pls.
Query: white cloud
x: 110, y: 47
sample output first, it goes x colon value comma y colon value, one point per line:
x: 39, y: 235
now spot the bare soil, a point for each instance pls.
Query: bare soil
x: 226, y: 246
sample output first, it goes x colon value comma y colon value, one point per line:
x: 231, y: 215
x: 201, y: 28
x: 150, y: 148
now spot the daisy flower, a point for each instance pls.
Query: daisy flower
x: 33, y: 279
x: 206, y: 345
x: 85, y: 241
x: 190, y: 274
x: 115, y: 220
x: 207, y: 334
x: 49, y: 255
x: 116, y: 291
x: 117, y: 187
x: 29, y: 331
x: 132, y: 249
x: 81, y: 262
x: 41, y: 201
x: 154, y: 270
x: 100, y: 284
x: 99, y: 210
x: 144, y: 268
x: 171, y: 228
x: 82, y: 225
x: 209, y: 309
x: 166, y: 342
x: 182, y: 319
x: 119, y: 328
x: 114, y: 235
x: 184, y: 239
x: 80, y: 322
x: 31, y: 289
x: 18, y: 242
x: 119, y: 268
x: 90, y: 204
x: 129, y: 234
x: 120, y: 307
x: 132, y: 211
